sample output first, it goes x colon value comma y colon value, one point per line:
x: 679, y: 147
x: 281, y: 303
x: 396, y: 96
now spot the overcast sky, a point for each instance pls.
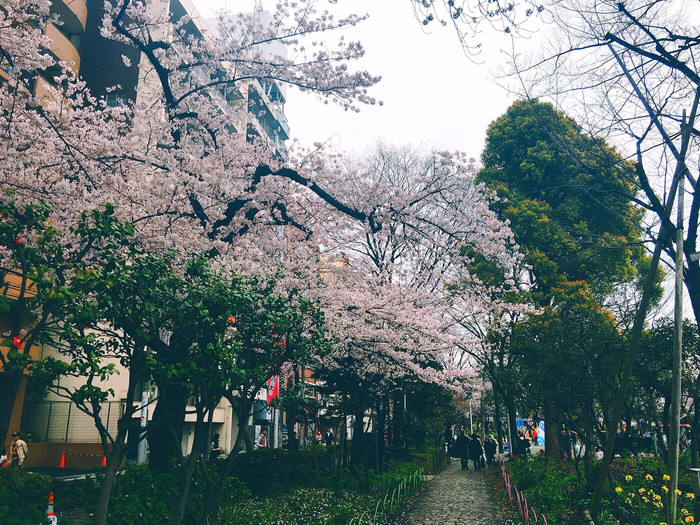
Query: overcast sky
x: 432, y: 93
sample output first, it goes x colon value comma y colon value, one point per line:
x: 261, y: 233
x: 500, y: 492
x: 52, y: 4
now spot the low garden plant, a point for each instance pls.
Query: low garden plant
x: 32, y: 490
x: 267, y: 486
x: 639, y: 494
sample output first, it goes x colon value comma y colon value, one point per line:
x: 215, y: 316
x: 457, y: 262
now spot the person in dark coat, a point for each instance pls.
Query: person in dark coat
x: 490, y: 447
x: 476, y: 451
x: 448, y: 439
x: 214, y: 448
x: 462, y: 449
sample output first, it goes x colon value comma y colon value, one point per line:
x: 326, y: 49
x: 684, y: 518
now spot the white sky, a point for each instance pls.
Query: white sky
x: 433, y: 94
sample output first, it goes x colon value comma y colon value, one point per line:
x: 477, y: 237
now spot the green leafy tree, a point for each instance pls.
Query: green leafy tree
x: 570, y: 358
x: 651, y: 387
x: 568, y: 198
x: 569, y: 202
x: 31, y: 265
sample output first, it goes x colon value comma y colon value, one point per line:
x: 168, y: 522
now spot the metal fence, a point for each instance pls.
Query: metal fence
x: 62, y: 422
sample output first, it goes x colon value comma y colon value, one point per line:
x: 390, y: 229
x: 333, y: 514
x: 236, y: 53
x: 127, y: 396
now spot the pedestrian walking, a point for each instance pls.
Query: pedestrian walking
x: 18, y: 451
x: 476, y: 451
x: 462, y: 449
x: 448, y: 439
x: 329, y: 438
x: 490, y: 447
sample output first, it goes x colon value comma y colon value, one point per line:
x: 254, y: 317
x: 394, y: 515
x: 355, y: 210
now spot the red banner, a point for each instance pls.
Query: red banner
x: 273, y: 388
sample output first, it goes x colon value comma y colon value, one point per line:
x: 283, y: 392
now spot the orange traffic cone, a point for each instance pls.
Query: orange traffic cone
x: 49, y: 512
x: 62, y: 463
x: 104, y: 461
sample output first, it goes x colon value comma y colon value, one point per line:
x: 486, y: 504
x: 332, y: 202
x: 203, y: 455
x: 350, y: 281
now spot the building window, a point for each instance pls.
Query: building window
x: 116, y: 99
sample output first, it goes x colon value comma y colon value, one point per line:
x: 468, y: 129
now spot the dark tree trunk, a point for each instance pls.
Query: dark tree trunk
x: 166, y: 427
x: 186, y: 478
x: 112, y: 466
x: 219, y: 494
x: 381, y: 424
x: 512, y: 428
x: 497, y: 420
x: 551, y: 430
x: 344, y: 439
x: 11, y: 377
x: 116, y: 453
x: 397, y: 422
x: 9, y: 386
x: 357, y: 446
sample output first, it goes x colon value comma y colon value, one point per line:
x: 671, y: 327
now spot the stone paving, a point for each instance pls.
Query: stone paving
x: 454, y: 497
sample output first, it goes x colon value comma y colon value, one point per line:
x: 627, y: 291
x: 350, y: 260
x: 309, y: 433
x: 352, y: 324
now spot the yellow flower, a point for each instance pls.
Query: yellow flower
x: 649, y: 477
x: 663, y: 523
x: 645, y: 499
x: 628, y: 478
x: 684, y: 512
x: 618, y: 489
x: 666, y: 477
x: 690, y: 495
x: 642, y: 490
x: 678, y: 492
x: 665, y: 488
x: 689, y: 519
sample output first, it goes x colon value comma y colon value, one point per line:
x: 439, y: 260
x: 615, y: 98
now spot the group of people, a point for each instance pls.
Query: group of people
x: 18, y: 452
x: 320, y: 438
x: 468, y: 447
x: 263, y: 442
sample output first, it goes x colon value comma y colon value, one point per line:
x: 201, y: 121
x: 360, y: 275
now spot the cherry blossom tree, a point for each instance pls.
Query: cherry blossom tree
x: 384, y: 289
x: 172, y: 163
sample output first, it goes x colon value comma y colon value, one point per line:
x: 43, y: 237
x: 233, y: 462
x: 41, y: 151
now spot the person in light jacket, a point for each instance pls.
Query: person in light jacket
x: 18, y: 451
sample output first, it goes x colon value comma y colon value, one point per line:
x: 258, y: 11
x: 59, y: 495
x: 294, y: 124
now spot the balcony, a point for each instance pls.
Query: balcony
x: 63, y: 48
x: 12, y: 284
x: 73, y: 14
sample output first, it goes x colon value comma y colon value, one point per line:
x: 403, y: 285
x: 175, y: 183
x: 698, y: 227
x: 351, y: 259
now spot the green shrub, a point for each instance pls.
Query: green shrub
x: 23, y: 496
x: 551, y: 487
x: 141, y: 495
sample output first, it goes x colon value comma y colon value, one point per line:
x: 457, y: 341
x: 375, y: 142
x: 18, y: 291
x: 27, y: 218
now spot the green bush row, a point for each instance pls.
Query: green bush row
x: 23, y: 497
x: 265, y: 486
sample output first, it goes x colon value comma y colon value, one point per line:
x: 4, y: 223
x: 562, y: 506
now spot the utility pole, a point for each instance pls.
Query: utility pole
x: 676, y: 371
x: 471, y: 423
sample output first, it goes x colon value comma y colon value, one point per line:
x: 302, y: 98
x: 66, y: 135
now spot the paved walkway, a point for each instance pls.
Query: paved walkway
x: 454, y: 497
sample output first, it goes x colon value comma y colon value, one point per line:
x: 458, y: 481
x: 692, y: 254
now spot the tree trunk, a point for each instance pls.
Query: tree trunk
x: 117, y: 453
x: 357, y: 446
x: 381, y: 422
x: 497, y: 420
x: 512, y: 427
x: 639, y: 319
x: 186, y: 479
x: 551, y: 430
x: 166, y: 426
x: 397, y: 422
x: 344, y: 438
x: 9, y: 386
x: 215, y: 505
x: 113, y: 462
